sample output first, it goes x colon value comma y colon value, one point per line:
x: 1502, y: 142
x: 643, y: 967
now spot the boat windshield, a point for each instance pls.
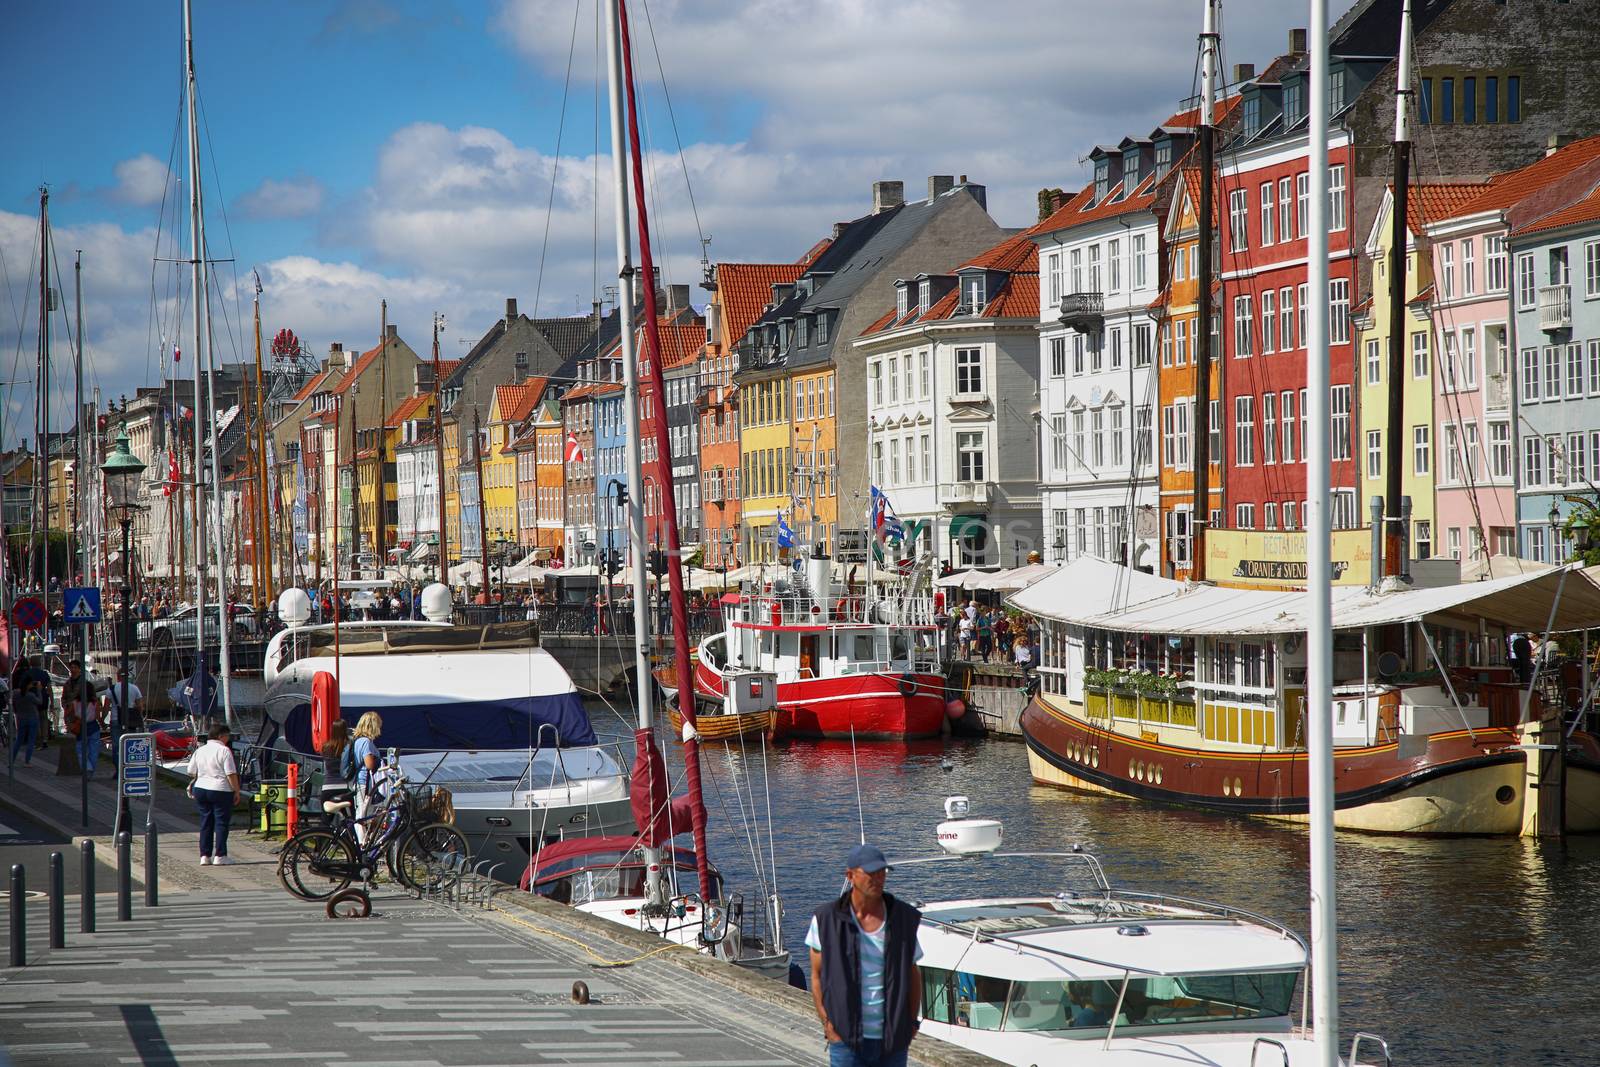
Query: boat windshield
x: 985, y: 1003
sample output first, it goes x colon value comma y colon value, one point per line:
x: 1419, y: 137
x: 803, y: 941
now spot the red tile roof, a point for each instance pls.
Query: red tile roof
x: 1014, y: 253
x: 368, y: 357
x: 311, y: 386
x: 1432, y: 201
x: 516, y: 401
x: 1016, y: 297
x: 407, y: 409
x: 1507, y: 189
x: 1220, y: 110
x: 746, y: 290
x: 1585, y: 210
x: 815, y: 252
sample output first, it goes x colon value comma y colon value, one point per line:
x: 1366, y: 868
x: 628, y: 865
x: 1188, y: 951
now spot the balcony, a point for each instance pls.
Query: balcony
x: 1497, y: 392
x: 963, y: 494
x: 1555, y: 307
x: 1084, y: 312
x: 714, y: 492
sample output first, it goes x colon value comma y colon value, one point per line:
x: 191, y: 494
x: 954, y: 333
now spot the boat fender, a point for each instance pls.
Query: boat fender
x: 349, y: 904
x: 908, y: 686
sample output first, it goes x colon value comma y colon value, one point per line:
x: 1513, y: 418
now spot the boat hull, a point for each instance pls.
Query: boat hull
x: 721, y: 727
x: 1456, y: 783
x: 865, y: 706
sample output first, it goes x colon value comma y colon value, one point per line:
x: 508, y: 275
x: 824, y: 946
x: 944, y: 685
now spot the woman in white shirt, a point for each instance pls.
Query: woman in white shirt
x: 215, y: 790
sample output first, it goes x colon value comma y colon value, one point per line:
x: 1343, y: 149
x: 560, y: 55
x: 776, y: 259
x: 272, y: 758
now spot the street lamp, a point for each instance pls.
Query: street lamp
x: 1061, y: 548
x: 1555, y: 528
x: 123, y: 472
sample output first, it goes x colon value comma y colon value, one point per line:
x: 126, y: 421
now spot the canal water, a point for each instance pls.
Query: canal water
x: 1457, y: 951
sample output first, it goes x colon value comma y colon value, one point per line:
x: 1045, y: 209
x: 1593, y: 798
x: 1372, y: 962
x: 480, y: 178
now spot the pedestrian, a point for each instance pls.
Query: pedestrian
x: 985, y: 634
x: 1023, y: 656
x: 865, y: 982
x: 215, y: 790
x: 112, y: 702
x: 364, y: 752
x: 966, y: 631
x: 81, y: 715
x: 26, y: 706
x: 1002, y: 635
x: 1522, y: 657
x: 338, y: 760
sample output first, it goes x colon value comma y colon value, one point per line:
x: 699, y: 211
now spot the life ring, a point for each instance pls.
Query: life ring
x: 908, y: 686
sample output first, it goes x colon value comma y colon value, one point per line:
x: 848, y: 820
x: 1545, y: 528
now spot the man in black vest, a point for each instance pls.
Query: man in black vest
x: 864, y: 975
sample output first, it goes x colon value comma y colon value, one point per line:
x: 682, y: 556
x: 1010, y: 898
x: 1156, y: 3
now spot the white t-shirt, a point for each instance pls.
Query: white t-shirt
x: 113, y: 698
x: 211, y: 765
x: 872, y: 945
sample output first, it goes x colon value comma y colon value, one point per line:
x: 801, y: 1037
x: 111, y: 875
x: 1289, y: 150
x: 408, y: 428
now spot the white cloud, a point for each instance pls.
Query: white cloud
x: 140, y: 180
x: 291, y: 198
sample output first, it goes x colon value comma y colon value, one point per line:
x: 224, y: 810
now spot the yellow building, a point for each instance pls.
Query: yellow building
x: 507, y: 411
x: 815, y: 449
x: 1415, y: 439
x: 766, y: 459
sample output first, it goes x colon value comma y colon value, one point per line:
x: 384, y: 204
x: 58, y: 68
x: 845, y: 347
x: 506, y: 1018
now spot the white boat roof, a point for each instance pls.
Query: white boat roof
x: 452, y: 677
x: 1041, y: 943
x: 1092, y: 592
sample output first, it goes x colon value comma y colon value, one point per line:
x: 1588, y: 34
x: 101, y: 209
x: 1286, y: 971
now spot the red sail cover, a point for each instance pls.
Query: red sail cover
x: 324, y: 707
x: 657, y: 818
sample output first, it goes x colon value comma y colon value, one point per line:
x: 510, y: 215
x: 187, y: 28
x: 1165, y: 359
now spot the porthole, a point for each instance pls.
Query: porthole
x: 1158, y: 774
x: 1094, y: 757
x: 1238, y: 787
x: 1505, y: 794
x: 1227, y: 787
x: 1133, y: 769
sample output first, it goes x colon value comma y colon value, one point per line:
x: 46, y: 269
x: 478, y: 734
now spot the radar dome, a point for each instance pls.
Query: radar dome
x: 436, y: 605
x: 294, y: 607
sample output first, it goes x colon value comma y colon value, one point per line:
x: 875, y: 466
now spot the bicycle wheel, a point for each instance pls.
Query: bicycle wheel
x: 431, y: 857
x: 316, y: 865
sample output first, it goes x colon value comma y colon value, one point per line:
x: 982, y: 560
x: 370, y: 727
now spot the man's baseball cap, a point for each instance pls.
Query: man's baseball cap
x: 868, y: 858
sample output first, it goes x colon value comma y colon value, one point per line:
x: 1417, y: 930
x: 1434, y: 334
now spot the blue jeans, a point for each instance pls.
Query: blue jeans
x: 89, y: 746
x: 27, y: 734
x: 216, y: 811
x: 870, y: 1054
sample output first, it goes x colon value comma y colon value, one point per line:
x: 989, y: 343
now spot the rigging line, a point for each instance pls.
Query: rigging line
x: 227, y: 231
x: 672, y: 115
x: 855, y: 771
x: 594, y: 261
x: 27, y: 304
x: 153, y: 323
x: 555, y: 172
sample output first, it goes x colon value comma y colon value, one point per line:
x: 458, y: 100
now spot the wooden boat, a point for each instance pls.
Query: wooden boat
x: 715, y: 726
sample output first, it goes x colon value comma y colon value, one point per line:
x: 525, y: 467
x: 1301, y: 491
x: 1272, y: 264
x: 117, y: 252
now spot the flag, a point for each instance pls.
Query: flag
x: 574, y: 450
x: 881, y: 519
x: 174, y: 475
x: 184, y: 412
x: 177, y: 354
x: 785, y: 534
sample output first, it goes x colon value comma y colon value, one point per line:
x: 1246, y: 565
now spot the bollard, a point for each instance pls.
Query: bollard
x: 19, y: 925
x: 58, y: 902
x: 291, y: 803
x: 151, y: 863
x: 124, y: 878
x: 86, y: 888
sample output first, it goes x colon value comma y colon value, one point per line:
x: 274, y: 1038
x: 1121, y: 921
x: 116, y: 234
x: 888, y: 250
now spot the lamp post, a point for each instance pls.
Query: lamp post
x: 1061, y: 548
x: 1555, y: 528
x: 123, y: 471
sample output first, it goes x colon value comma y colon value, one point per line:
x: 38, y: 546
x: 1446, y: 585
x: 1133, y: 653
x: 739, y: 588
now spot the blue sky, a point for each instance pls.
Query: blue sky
x: 400, y: 149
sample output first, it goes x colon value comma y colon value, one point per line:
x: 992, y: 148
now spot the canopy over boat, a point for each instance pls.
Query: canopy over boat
x: 1092, y: 592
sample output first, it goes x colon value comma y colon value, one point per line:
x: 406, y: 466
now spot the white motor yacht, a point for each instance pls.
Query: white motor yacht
x: 1102, y: 976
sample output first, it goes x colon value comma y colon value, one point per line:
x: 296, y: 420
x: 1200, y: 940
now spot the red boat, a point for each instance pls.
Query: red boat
x: 846, y: 665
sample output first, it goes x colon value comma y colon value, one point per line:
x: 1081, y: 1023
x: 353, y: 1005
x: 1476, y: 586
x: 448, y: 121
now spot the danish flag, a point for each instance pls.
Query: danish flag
x: 174, y: 475
x: 574, y: 450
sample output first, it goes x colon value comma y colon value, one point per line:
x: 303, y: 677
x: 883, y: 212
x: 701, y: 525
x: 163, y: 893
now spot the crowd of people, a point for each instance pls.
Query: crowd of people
x: 981, y: 633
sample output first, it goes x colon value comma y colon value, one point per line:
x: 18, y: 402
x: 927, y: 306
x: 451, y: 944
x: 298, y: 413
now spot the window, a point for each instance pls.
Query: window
x: 1469, y: 268
x: 1574, y: 370
x: 1269, y: 516
x: 1286, y: 409
x: 1500, y: 450
x: 1286, y: 317
x: 902, y: 301
x: 1244, y: 431
x: 1077, y: 353
x: 1304, y: 294
x: 1469, y: 99
x: 1552, y: 372
x: 1094, y: 268
x: 1053, y: 278
x: 1141, y: 345
x: 1474, y: 451
x: 1181, y: 344
x: 924, y: 374
x: 1374, y: 453
x: 1116, y: 436
x: 905, y: 368
x: 1425, y: 107
x: 969, y: 457
x: 1058, y: 357
x: 1452, y: 363
x: 1058, y: 533
x: 1075, y: 257
x: 1491, y: 99
x: 1079, y: 440
x: 1336, y: 198
x: 1535, y: 551
x: 1244, y: 516
x: 1163, y: 156
x: 1419, y: 355
x: 1447, y: 100
x: 1338, y: 311
x: 1242, y: 324
x: 1290, y: 515
x: 1058, y: 443
x: 875, y: 381
x: 1269, y: 211
x: 1302, y: 199
x: 1532, y: 461
x: 1238, y: 220
x: 1447, y: 270
x: 974, y: 291
x: 1114, y: 264
x: 969, y: 371
x: 1178, y: 536
x: 1374, y: 362
x: 1114, y: 336
x: 1339, y: 408
x: 1513, y: 99
x: 1577, y: 468
x: 1591, y: 268
x: 1292, y: 91
x: 927, y: 458
x: 924, y: 291
x: 1424, y: 538
x: 1269, y: 427
x: 822, y: 329
x: 1494, y: 263
x: 1269, y: 321
x: 1142, y: 429
x: 802, y: 333
x: 1594, y: 367
x: 1530, y: 375
x: 894, y: 461
x: 1141, y: 269
x: 1097, y: 437
x: 1285, y: 206
x: 1096, y: 345
x: 1527, y: 292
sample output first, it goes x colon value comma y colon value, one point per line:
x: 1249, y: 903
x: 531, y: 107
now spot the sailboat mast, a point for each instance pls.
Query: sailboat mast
x: 224, y: 619
x: 438, y: 448
x: 1394, y: 527
x: 379, y: 491
x: 80, y: 482
x: 197, y: 279
x: 43, y: 442
x: 630, y: 408
x: 1200, y: 518
x: 680, y: 611
x: 1319, y: 571
x: 261, y: 557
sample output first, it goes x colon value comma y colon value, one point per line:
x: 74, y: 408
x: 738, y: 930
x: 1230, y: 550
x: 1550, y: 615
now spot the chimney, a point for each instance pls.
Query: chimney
x: 1297, y: 40
x: 677, y: 298
x: 1557, y: 142
x: 394, y: 332
x: 336, y: 359
x: 979, y: 193
x: 511, y: 309
x: 886, y: 195
x: 839, y: 228
x: 1243, y: 72
x: 939, y: 184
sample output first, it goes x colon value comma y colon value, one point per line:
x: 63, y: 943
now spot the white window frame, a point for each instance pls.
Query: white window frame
x: 969, y: 372
x: 1269, y: 212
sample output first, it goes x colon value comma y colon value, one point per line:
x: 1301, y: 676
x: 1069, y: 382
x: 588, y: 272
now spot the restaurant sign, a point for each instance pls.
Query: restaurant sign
x: 1277, y: 559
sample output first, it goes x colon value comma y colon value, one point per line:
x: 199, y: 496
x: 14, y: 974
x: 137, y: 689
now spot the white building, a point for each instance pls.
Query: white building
x: 1099, y: 273
x: 952, y: 379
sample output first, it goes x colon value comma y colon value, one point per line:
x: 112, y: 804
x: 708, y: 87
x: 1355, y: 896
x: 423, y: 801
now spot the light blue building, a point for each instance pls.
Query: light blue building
x: 611, y: 473
x: 1556, y: 306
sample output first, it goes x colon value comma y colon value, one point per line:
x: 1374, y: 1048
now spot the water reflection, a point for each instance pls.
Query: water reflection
x: 1458, y: 950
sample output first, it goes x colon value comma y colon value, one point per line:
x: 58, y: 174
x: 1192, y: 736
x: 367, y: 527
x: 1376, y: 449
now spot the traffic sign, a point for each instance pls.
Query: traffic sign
x: 28, y: 613
x: 136, y: 789
x: 136, y: 774
x: 83, y: 604
x: 135, y: 761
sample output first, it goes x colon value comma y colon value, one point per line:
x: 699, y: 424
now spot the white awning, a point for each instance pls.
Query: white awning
x: 1092, y: 592
x: 1017, y: 578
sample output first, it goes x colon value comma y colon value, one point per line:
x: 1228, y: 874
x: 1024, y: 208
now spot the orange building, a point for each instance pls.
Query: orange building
x: 1176, y: 388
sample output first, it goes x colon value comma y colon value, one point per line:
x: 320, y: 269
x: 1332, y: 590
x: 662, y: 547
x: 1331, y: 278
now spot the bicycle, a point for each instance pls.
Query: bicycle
x: 422, y: 857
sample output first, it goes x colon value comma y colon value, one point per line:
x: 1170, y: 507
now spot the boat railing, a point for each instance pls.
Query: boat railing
x: 1355, y: 1045
x: 1260, y: 1042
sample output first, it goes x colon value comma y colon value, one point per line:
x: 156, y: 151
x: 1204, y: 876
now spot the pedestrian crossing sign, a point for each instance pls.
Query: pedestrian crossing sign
x: 82, y: 604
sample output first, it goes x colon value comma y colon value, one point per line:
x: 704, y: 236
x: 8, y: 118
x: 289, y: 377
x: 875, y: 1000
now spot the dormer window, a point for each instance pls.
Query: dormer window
x: 1291, y: 102
x: 924, y: 291
x: 974, y: 293
x: 902, y: 301
x: 1335, y: 92
x: 1163, y: 156
x: 1102, y: 179
x: 802, y: 333
x: 1252, y: 115
x: 1130, y: 171
x: 822, y: 329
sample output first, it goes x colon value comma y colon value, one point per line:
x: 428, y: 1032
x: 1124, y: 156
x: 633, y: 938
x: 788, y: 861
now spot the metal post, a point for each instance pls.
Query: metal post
x: 86, y: 888
x: 152, y: 863
x: 19, y: 925
x: 124, y: 878
x: 122, y: 820
x: 58, y: 904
